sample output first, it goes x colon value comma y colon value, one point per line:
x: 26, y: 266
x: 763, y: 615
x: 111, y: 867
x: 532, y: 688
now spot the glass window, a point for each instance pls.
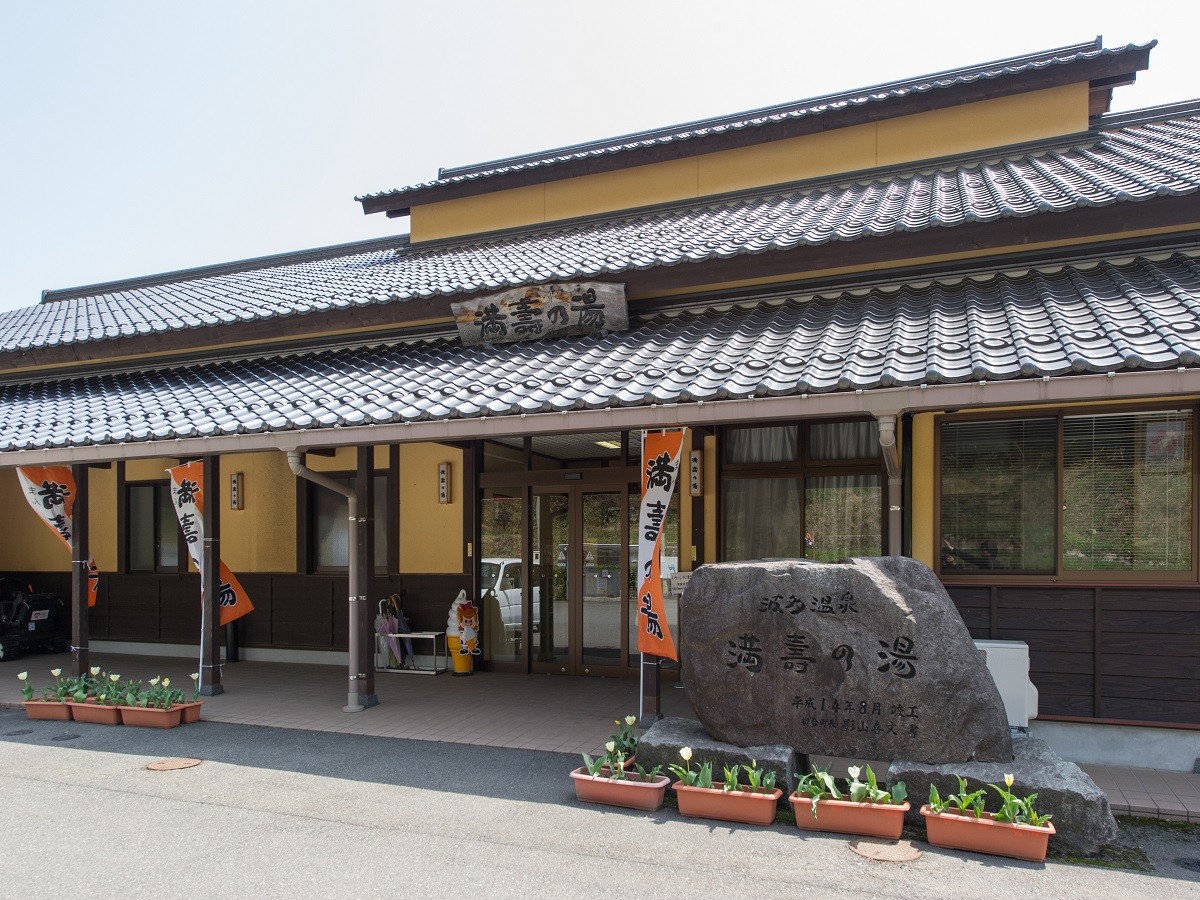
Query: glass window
x: 141, y: 527
x: 842, y: 516
x: 152, y: 533
x: 762, y: 518
x: 843, y: 440
x: 761, y: 445
x: 1127, y: 492
x: 998, y: 496
x: 500, y: 576
x: 824, y: 503
x: 330, y: 526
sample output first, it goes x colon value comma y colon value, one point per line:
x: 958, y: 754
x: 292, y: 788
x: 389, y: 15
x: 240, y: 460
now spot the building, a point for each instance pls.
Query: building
x: 955, y: 317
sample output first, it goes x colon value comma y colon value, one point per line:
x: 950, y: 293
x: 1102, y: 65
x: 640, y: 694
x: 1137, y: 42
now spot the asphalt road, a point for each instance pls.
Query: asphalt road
x: 282, y: 813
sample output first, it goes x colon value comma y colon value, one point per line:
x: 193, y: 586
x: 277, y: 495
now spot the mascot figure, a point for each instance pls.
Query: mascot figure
x: 462, y: 634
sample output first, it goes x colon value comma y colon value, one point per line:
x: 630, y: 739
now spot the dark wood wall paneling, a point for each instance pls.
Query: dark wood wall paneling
x: 1148, y: 638
x: 300, y: 612
x: 1147, y: 641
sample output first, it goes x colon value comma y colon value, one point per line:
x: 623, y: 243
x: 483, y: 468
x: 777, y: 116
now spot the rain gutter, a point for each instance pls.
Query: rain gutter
x: 353, y: 700
x: 891, y: 458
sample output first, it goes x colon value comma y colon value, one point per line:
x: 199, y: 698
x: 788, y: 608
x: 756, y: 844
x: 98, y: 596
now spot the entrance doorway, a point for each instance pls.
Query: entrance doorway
x: 580, y: 551
x: 558, y: 518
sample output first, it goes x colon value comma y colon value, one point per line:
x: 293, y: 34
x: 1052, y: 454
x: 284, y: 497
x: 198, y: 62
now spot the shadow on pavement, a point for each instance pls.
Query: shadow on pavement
x: 498, y: 772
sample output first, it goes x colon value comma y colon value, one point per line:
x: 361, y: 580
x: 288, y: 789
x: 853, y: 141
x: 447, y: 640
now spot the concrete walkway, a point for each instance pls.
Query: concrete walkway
x: 273, y: 813
x: 525, y: 712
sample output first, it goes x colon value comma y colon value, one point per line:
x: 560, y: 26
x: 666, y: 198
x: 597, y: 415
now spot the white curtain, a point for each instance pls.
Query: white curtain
x: 761, y: 445
x: 844, y: 440
x: 762, y: 518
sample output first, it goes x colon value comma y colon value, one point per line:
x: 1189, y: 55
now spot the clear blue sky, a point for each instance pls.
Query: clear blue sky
x: 141, y: 137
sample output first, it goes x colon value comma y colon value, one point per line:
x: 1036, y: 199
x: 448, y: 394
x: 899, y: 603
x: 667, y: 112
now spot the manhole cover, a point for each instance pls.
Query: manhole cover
x: 18, y: 731
x: 1190, y: 863
x: 168, y: 765
x: 885, y: 851
x: 65, y: 737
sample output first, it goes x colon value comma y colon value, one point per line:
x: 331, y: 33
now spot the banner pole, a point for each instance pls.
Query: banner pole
x: 641, y: 687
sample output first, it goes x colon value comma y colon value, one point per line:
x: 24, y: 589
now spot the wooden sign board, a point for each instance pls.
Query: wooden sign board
x: 542, y: 311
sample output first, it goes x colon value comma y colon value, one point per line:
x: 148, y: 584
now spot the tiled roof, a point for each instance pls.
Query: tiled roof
x: 1109, y: 316
x: 1153, y: 159
x: 757, y: 118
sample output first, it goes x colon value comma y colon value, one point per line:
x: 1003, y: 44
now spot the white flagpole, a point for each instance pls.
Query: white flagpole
x: 637, y: 600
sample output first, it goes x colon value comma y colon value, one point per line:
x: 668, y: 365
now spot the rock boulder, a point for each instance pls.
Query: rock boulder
x: 1082, y: 818
x: 867, y: 659
x: 661, y: 743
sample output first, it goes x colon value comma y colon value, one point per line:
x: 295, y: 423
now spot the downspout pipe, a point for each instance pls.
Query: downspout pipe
x: 353, y: 699
x: 891, y: 458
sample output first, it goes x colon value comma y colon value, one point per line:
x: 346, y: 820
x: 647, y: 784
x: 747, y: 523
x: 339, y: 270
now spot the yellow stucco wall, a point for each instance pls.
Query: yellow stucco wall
x: 345, y: 459
x: 261, y: 537
x: 710, y: 495
x: 989, y: 123
x: 431, y: 533
x: 102, y: 517
x: 605, y: 191
x: 149, y: 469
x: 28, y: 545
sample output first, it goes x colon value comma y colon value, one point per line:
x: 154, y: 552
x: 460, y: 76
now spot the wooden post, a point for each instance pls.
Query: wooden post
x: 364, y: 486
x: 79, y: 573
x: 210, y: 651
x: 698, y: 505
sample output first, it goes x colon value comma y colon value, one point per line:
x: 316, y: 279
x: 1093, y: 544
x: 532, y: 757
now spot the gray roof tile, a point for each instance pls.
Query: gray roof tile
x: 1089, y: 317
x: 1137, y: 162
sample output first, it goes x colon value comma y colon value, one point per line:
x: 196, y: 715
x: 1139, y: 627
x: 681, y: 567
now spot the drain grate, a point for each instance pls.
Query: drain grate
x: 19, y: 731
x: 168, y: 765
x: 65, y: 737
x: 1191, y: 863
x: 884, y: 850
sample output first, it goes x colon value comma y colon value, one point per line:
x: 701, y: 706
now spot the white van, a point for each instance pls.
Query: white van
x: 502, y: 577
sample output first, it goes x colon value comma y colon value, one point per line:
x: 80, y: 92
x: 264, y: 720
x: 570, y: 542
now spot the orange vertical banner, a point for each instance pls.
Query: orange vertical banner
x: 50, y: 491
x: 660, y: 473
x: 187, y: 498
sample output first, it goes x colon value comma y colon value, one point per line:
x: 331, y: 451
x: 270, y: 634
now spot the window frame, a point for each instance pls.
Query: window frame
x: 160, y: 487
x: 306, y: 522
x: 1061, y: 575
x: 802, y: 467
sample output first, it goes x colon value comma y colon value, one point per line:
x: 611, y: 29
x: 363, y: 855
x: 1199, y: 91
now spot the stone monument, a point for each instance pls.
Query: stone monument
x: 867, y: 659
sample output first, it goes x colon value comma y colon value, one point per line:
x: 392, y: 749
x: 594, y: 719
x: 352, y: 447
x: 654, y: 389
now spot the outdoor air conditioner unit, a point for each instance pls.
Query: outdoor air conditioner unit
x: 1008, y: 661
